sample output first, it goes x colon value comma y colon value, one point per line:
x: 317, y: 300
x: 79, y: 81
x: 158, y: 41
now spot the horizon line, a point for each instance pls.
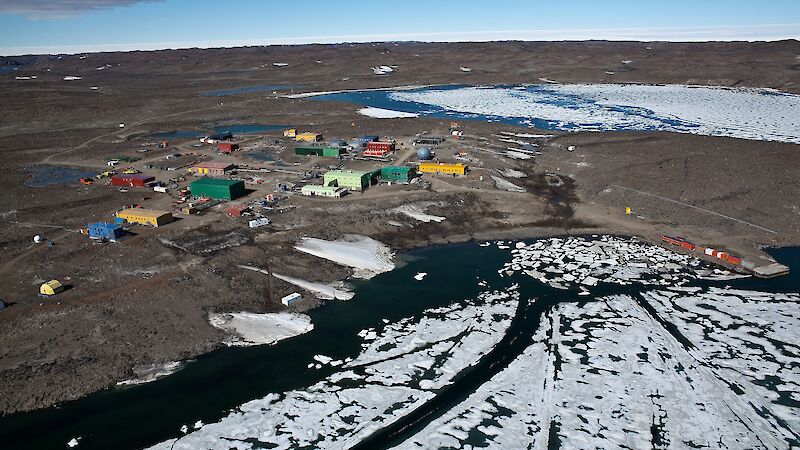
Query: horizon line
x: 752, y: 33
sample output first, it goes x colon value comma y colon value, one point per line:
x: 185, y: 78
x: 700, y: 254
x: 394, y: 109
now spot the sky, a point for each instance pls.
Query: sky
x: 78, y: 26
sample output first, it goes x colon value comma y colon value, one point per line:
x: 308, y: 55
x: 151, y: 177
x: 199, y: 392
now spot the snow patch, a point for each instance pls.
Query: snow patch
x: 380, y: 113
x: 366, y: 255
x: 246, y: 329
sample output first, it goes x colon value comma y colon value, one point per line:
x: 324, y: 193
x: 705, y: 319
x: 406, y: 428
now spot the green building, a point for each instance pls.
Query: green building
x: 217, y: 188
x: 401, y: 174
x: 331, y: 152
x: 348, y: 179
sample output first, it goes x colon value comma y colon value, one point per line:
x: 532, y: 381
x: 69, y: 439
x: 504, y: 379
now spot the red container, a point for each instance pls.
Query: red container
x: 131, y: 180
x: 734, y: 260
x: 228, y: 147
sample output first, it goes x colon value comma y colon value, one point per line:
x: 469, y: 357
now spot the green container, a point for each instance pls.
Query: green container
x: 308, y: 151
x: 217, y: 188
x: 398, y: 173
x: 332, y: 152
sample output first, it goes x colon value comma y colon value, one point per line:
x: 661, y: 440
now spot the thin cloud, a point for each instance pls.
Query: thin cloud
x: 60, y: 9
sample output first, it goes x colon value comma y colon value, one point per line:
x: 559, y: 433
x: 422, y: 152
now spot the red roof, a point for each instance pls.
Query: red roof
x: 134, y: 176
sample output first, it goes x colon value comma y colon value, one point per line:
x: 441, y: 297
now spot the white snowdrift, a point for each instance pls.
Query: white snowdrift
x: 320, y: 290
x: 506, y: 185
x: 380, y: 113
x: 367, y: 256
x: 71, y: 78
x: 416, y: 212
x: 247, y: 328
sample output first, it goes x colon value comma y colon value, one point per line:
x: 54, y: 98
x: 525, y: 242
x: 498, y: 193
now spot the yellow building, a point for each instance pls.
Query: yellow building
x: 448, y: 169
x: 291, y: 132
x: 52, y: 287
x: 145, y: 216
x: 308, y: 137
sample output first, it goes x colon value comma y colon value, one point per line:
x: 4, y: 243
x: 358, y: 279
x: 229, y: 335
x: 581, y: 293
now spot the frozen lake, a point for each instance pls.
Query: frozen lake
x: 746, y: 113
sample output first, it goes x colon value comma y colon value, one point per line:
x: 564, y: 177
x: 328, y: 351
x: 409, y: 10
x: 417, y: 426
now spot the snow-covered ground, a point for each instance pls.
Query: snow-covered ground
x: 366, y: 255
x: 399, y: 368
x: 71, y: 78
x: 380, y: 113
x: 417, y: 212
x: 748, y: 113
x: 506, y: 185
x: 246, y: 328
x: 320, y: 290
x: 152, y: 372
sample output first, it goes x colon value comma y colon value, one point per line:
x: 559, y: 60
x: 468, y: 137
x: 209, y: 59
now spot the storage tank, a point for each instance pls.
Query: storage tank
x: 424, y: 154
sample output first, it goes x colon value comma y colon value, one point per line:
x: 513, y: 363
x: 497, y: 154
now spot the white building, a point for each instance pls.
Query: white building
x: 291, y: 299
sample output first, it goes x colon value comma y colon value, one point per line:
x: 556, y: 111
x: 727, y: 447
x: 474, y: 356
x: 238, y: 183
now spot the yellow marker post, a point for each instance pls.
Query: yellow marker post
x: 627, y: 210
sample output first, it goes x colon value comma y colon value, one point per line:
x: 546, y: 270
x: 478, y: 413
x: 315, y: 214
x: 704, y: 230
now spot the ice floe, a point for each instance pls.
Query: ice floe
x: 572, y: 261
x: 398, y: 370
x: 366, y: 255
x: 420, y: 276
x: 380, y: 113
x: 748, y: 113
x: 607, y: 374
x: 246, y: 328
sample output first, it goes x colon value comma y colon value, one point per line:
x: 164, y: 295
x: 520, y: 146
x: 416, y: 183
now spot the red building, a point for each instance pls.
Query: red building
x: 237, y: 210
x: 132, y: 180
x: 385, y: 146
x: 228, y: 147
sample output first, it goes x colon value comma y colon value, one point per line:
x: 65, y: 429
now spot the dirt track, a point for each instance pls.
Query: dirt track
x: 144, y: 301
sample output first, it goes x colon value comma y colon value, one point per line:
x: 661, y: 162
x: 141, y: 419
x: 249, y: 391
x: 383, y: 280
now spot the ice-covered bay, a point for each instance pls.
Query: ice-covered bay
x: 399, y: 368
x: 610, y: 375
x: 748, y: 113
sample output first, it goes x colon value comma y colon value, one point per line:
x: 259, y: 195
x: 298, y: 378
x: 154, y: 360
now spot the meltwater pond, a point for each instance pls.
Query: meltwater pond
x: 249, y: 90
x: 597, y: 341
x: 42, y: 176
x: 748, y: 113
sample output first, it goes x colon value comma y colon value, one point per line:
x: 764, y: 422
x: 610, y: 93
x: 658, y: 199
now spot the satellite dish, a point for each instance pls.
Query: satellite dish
x: 37, y: 239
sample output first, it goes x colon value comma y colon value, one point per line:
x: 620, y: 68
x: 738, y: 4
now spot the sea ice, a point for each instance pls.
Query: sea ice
x: 380, y: 113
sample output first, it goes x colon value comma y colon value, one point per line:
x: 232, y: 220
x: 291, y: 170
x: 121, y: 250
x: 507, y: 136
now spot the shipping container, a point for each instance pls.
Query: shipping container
x: 291, y: 299
x: 228, y: 147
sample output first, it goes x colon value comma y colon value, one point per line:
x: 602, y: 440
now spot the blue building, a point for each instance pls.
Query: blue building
x: 105, y: 230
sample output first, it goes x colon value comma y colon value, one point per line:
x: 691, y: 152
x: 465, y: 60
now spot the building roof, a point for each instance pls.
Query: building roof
x: 215, y: 182
x: 142, y: 212
x: 134, y: 176
x: 214, y: 165
x: 319, y: 188
x: 106, y: 225
x: 354, y: 173
x: 55, y: 284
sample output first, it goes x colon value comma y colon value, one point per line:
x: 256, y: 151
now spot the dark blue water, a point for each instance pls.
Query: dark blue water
x: 213, y: 384
x: 249, y: 90
x: 248, y: 128
x: 42, y: 176
x: 236, y: 129
x: 177, y: 134
x: 383, y: 99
